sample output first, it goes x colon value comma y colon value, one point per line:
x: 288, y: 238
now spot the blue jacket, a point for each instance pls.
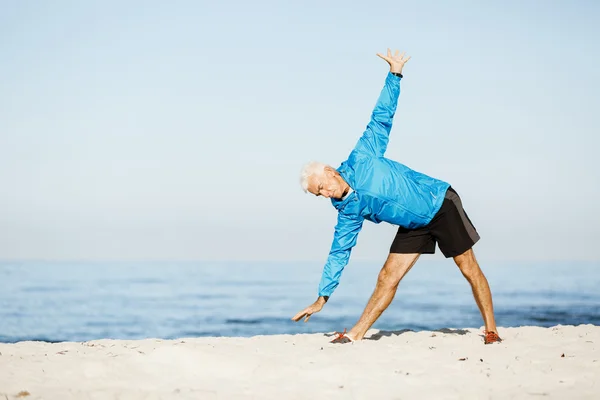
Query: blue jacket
x: 383, y: 189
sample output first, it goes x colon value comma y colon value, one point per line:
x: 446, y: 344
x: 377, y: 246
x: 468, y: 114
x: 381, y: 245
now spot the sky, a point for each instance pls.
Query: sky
x: 177, y: 130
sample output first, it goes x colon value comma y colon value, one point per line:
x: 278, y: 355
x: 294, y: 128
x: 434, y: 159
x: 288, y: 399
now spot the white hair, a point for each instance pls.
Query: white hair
x: 311, y: 168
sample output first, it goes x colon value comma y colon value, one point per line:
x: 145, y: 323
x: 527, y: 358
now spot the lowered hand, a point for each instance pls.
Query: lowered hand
x: 310, y: 310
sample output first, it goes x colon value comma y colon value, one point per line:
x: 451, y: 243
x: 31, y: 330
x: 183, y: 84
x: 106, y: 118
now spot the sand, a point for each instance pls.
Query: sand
x: 561, y: 362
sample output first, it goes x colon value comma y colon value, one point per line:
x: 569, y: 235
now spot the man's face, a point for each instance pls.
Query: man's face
x: 325, y: 184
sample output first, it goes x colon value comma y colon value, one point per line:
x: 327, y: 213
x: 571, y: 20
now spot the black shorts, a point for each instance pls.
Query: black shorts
x: 451, y: 228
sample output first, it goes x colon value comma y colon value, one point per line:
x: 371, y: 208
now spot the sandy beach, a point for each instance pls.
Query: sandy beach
x: 532, y: 362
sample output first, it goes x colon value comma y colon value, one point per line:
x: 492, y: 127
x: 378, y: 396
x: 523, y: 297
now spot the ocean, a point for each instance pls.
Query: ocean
x: 81, y: 301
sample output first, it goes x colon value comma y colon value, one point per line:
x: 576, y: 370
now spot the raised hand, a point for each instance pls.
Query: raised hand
x: 396, y: 61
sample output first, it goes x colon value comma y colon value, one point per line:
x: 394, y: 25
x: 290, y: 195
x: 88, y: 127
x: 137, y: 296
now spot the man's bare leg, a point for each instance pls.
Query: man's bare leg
x: 481, y: 290
x: 394, y: 269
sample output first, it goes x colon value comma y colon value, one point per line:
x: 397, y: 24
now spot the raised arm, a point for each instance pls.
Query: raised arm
x: 375, y: 139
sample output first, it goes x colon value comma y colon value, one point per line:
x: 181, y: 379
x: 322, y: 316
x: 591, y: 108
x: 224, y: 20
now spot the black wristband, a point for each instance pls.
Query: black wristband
x: 398, y: 74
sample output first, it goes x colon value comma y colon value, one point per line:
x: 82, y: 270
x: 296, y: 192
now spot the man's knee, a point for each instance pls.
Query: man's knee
x: 387, y: 278
x: 394, y: 269
x: 467, y: 264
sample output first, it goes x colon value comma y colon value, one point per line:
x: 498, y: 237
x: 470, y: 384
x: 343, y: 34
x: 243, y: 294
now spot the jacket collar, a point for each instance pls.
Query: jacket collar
x: 347, y: 173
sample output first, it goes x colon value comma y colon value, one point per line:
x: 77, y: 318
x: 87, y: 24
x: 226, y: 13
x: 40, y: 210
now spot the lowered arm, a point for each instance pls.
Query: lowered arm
x: 344, y: 239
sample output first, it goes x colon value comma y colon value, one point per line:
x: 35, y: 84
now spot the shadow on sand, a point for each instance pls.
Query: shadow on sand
x: 380, y: 334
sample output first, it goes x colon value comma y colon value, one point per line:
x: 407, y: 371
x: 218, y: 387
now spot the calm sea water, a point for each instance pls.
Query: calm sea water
x: 84, y: 301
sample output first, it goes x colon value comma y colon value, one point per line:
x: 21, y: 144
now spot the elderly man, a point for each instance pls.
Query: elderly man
x: 427, y: 210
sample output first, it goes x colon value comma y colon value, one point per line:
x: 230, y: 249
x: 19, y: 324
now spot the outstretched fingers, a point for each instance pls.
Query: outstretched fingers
x: 298, y: 316
x: 304, y: 313
x: 397, y: 57
x: 383, y: 57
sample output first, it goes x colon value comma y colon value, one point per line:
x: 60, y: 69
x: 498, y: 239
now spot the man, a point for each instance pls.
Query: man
x: 427, y: 210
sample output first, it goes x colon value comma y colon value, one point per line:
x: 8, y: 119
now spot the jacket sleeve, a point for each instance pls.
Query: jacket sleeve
x: 375, y: 138
x: 344, y: 239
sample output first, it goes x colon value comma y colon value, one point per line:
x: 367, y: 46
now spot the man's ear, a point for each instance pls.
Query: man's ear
x: 329, y: 171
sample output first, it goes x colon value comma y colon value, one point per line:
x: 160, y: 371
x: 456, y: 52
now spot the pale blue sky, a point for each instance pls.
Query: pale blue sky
x: 176, y: 130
